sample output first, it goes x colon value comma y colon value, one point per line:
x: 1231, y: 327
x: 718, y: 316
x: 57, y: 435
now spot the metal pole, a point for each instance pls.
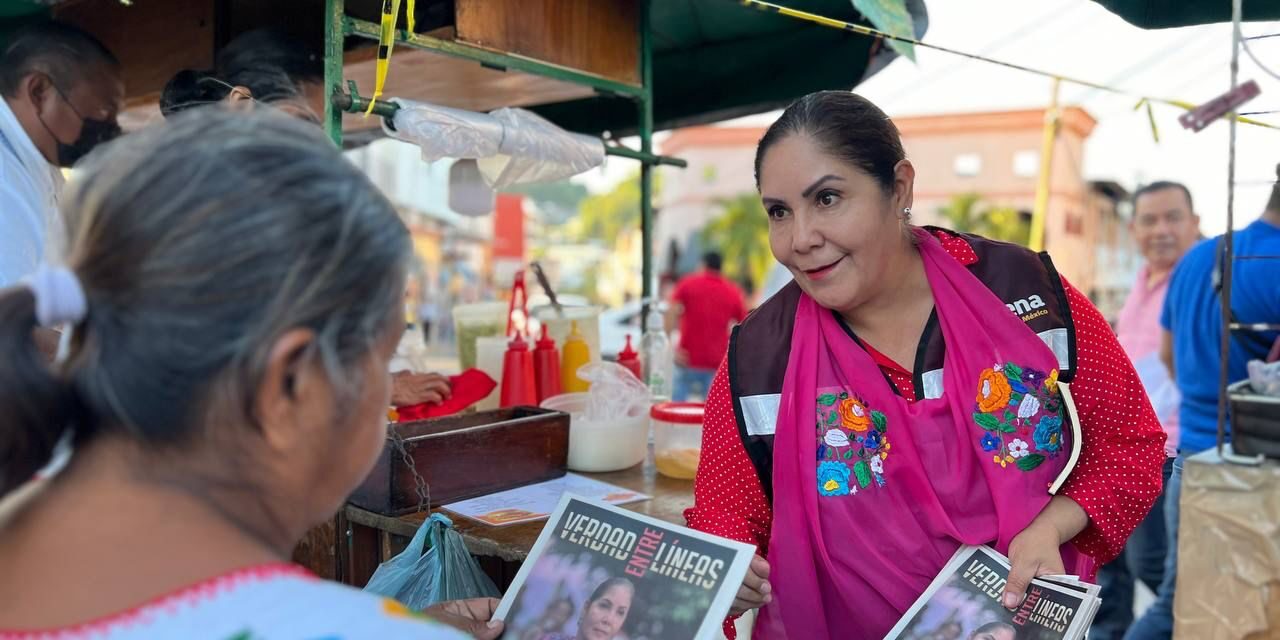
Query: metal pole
x: 646, y: 147
x: 1227, y: 243
x: 1041, y: 211
x: 334, y: 38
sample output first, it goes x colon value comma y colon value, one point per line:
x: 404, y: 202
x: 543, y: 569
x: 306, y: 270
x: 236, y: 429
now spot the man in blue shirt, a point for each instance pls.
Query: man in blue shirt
x: 1192, y: 321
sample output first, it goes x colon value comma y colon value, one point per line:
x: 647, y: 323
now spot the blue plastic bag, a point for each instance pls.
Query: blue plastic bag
x: 446, y: 571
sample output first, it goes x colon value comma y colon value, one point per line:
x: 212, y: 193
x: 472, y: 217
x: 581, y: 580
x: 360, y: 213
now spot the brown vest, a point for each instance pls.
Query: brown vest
x: 759, y: 347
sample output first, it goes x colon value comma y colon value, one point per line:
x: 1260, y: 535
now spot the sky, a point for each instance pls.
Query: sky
x: 1079, y: 38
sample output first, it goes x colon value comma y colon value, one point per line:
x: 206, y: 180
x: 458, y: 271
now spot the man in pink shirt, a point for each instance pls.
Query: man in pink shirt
x: 1164, y: 226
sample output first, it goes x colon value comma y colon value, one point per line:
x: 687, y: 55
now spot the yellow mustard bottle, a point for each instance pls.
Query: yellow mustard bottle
x: 574, y: 354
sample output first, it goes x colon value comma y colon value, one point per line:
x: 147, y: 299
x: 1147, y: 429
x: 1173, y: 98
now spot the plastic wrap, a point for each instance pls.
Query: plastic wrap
x: 1228, y: 551
x: 534, y: 150
x: 511, y: 146
x: 1265, y: 378
x: 442, y: 132
x: 446, y: 571
x: 614, y: 392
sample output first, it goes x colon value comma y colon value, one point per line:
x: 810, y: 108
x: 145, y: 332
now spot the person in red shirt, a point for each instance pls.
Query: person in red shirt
x: 707, y: 305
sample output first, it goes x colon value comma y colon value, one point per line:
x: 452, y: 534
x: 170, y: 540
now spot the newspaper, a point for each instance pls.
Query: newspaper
x: 536, y: 501
x: 964, y: 602
x: 599, y: 571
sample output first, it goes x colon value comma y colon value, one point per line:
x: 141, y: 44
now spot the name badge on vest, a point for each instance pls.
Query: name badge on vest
x: 761, y: 413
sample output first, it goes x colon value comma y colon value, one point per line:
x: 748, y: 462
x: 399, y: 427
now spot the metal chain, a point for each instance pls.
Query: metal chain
x: 420, y: 486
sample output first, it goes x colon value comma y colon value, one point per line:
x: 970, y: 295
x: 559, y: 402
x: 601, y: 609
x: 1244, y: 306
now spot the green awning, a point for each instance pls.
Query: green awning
x: 1161, y: 14
x: 714, y: 60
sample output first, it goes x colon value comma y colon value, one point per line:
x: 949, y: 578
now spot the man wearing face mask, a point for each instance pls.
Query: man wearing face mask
x: 61, y: 92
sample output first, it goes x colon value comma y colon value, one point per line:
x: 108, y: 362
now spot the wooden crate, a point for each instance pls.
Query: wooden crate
x: 465, y: 456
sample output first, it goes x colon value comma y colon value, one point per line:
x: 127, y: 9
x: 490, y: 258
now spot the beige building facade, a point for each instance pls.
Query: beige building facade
x: 993, y: 154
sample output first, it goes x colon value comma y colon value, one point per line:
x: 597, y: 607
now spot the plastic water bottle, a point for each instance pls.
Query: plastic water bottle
x: 658, y: 358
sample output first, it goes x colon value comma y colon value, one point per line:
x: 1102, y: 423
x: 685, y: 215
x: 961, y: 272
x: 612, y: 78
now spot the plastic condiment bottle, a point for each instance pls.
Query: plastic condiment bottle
x: 630, y: 359
x: 659, y: 361
x: 546, y: 366
x: 518, y: 387
x: 576, y: 353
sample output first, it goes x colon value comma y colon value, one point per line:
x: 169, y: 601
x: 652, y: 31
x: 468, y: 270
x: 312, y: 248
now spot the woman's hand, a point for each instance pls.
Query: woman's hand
x: 1035, y: 552
x: 474, y: 615
x: 409, y: 388
x: 1032, y: 553
x: 755, y: 591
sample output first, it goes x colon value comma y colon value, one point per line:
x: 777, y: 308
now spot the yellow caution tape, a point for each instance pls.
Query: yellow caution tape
x: 386, y: 40
x: 876, y: 33
x: 1151, y: 118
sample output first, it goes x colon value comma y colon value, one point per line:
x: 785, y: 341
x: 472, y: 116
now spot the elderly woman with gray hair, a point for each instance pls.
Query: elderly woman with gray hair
x: 234, y: 291
x: 267, y: 68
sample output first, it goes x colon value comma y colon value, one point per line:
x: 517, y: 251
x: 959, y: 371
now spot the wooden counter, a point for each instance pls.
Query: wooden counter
x: 500, y: 550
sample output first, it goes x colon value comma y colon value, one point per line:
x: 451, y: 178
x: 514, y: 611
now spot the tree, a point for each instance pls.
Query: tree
x: 741, y: 235
x: 558, y: 200
x: 602, y: 217
x: 963, y: 213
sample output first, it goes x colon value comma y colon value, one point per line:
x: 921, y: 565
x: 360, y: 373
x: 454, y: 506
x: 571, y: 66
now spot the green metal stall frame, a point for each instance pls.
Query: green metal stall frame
x: 339, y: 26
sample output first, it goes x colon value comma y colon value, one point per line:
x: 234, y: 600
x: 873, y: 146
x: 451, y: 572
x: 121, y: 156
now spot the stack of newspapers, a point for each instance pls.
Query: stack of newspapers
x: 964, y: 602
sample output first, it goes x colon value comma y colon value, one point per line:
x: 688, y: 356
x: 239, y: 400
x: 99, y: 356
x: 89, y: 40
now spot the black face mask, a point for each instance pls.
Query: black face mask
x: 92, y: 133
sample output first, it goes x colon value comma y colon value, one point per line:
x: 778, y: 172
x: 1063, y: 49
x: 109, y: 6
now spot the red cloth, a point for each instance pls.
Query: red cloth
x: 1117, y: 423
x: 468, y: 388
x: 711, y: 303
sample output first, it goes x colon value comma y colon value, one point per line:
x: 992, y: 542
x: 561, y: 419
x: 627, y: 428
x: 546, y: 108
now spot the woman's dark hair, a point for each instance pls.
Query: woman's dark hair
x: 198, y: 243
x: 847, y: 126
x: 606, y: 586
x: 275, y: 49
x: 272, y: 65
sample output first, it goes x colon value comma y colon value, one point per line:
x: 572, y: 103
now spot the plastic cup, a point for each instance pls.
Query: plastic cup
x: 489, y: 355
x: 677, y: 430
x: 477, y: 320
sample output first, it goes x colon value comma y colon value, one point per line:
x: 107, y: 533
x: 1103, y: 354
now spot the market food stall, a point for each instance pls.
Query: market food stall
x: 605, y: 69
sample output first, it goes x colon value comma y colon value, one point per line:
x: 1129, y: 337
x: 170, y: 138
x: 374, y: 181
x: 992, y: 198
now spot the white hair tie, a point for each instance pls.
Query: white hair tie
x: 59, y: 297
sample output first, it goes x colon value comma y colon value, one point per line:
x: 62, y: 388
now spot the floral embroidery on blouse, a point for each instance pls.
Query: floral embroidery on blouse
x: 852, y: 443
x: 1018, y: 410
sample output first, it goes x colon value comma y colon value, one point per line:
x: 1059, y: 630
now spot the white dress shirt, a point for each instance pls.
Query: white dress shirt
x: 31, y: 228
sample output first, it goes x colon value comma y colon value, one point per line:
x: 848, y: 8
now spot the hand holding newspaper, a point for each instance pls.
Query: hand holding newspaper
x: 964, y: 602
x: 598, y: 571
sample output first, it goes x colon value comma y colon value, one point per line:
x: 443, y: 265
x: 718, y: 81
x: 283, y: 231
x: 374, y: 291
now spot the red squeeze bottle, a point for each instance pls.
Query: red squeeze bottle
x: 546, y: 366
x: 630, y: 359
x: 517, y: 375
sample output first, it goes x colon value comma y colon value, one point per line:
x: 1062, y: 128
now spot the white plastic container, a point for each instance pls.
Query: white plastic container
x: 601, y: 446
x: 677, y: 438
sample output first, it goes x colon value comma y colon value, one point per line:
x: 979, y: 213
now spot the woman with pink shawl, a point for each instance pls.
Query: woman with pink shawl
x: 913, y: 390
